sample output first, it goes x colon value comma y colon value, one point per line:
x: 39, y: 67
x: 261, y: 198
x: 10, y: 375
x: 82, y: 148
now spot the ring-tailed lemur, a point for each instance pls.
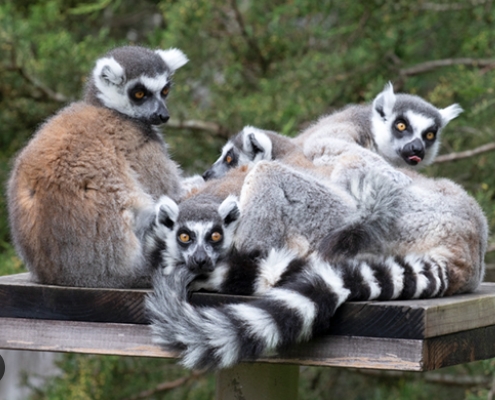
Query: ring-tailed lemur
x: 369, y: 201
x: 404, y: 129
x: 82, y: 192
x: 253, y: 145
x: 434, y: 247
x: 198, y: 234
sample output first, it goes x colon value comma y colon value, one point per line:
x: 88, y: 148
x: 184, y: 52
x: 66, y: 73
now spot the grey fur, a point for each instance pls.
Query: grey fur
x: 373, y: 126
x: 427, y: 238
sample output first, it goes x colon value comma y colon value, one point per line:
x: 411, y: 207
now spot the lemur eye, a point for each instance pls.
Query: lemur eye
x: 216, y: 236
x: 430, y: 136
x: 184, y: 238
x: 165, y: 90
x: 228, y: 159
x: 139, y: 94
x: 401, y: 126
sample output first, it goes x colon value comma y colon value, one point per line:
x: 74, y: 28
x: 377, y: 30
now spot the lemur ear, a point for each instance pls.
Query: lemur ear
x: 229, y: 210
x: 257, y: 145
x: 109, y: 71
x: 450, y: 112
x: 174, y: 58
x: 384, y: 102
x: 167, y: 212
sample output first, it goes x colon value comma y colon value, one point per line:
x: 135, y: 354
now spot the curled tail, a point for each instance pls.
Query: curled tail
x: 297, y: 310
x: 378, y: 198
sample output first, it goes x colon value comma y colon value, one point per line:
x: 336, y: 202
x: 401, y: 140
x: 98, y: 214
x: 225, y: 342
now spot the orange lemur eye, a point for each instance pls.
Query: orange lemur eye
x: 216, y: 236
x: 139, y: 95
x: 430, y: 136
x: 184, y: 238
x: 165, y: 90
x: 401, y: 126
x: 228, y: 159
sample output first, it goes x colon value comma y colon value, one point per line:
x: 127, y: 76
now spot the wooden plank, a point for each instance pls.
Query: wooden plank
x: 415, y: 319
x: 20, y: 297
x: 337, y: 351
x: 460, y: 348
x: 135, y: 340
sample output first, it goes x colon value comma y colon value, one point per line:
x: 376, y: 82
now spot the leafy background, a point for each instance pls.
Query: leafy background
x: 273, y: 64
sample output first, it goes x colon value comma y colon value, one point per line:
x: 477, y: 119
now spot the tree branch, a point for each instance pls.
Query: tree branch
x: 15, y: 67
x: 465, y: 154
x: 212, y: 127
x: 431, y: 65
x: 166, y: 386
x: 452, y: 6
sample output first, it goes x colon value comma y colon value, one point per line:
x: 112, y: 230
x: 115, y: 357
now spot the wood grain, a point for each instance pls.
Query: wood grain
x: 417, y: 319
x: 337, y: 351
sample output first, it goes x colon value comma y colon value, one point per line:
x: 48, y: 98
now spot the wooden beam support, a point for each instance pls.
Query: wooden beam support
x: 258, y: 381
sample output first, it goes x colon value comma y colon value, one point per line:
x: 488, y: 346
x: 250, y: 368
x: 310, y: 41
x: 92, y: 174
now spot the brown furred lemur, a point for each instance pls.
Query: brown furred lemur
x: 81, y: 193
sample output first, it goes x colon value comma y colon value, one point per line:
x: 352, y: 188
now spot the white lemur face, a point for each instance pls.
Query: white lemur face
x: 198, y: 233
x: 407, y: 128
x: 135, y: 81
x: 249, y: 145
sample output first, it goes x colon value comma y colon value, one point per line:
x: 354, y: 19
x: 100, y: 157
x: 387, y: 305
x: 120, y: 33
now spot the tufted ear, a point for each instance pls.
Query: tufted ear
x: 174, y: 58
x: 109, y: 71
x: 384, y: 102
x: 256, y: 143
x: 229, y: 210
x: 450, y: 112
x: 167, y: 212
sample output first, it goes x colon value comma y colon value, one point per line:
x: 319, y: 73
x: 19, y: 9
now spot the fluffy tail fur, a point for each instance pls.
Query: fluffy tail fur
x: 378, y: 198
x: 297, y: 310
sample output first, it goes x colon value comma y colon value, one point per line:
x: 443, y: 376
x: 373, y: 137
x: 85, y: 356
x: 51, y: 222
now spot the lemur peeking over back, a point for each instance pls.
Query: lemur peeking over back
x: 81, y: 193
x: 404, y: 129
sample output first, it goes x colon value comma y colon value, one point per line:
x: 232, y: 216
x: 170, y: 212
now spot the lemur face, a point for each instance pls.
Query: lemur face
x: 249, y: 145
x: 136, y: 81
x: 406, y: 128
x: 198, y: 233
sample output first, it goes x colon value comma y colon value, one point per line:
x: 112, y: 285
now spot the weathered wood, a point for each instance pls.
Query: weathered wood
x: 258, y: 382
x: 338, y: 351
x: 415, y: 319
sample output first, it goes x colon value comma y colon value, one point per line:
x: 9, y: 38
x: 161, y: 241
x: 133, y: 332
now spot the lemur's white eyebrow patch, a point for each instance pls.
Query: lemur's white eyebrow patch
x: 155, y: 84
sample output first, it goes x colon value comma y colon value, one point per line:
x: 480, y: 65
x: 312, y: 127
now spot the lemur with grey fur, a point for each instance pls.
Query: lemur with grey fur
x: 290, y: 223
x: 403, y: 129
x: 81, y: 194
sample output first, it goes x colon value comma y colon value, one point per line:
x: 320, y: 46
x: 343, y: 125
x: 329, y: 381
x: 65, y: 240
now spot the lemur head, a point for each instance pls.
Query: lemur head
x: 198, y: 232
x: 407, y: 128
x: 249, y: 145
x: 135, y: 81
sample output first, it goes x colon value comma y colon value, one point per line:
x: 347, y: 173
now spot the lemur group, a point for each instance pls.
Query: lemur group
x: 305, y: 223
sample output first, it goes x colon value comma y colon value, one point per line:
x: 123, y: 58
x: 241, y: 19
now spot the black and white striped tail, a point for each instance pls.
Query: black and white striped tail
x: 295, y: 311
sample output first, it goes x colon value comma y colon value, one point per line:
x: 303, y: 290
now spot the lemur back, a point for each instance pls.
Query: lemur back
x: 82, y: 192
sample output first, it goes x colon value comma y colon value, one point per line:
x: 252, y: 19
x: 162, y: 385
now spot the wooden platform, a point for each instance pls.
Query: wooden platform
x: 397, y: 335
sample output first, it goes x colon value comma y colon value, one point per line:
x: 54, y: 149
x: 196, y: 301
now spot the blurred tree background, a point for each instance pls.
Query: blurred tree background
x: 273, y: 64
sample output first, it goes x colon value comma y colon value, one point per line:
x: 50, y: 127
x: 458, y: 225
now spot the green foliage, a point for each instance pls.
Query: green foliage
x: 88, y: 377
x: 277, y: 65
